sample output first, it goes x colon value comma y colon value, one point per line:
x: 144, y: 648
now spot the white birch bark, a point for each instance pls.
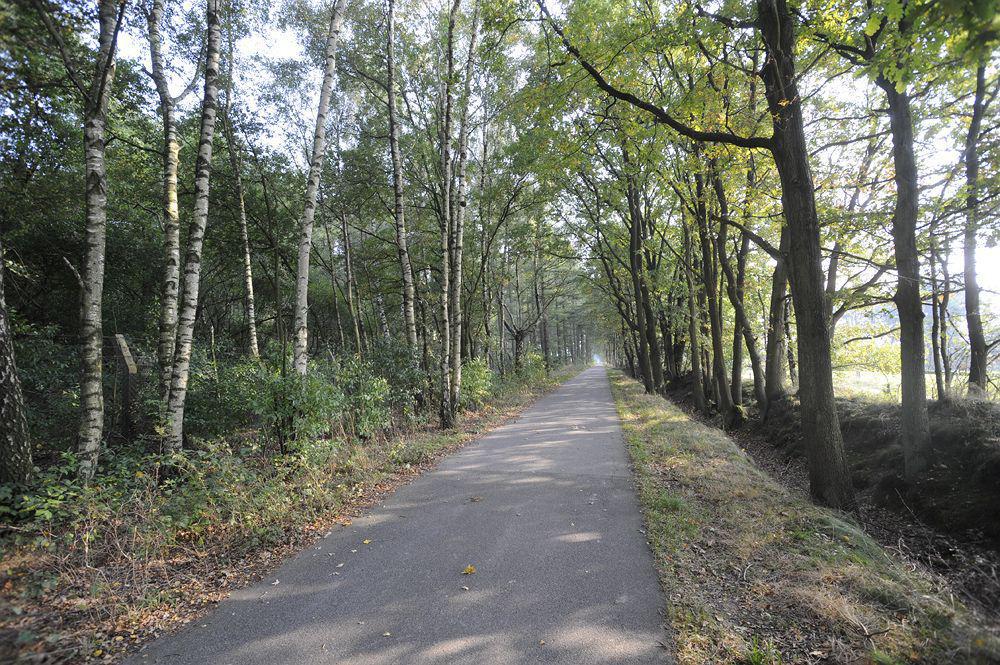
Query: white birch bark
x: 171, y: 226
x: 174, y: 420
x: 447, y: 410
x: 91, y: 429
x: 15, y: 444
x: 458, y: 230
x: 301, y: 349
x: 405, y: 266
x: 234, y: 165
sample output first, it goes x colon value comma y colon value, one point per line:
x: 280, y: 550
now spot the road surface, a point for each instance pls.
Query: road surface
x: 543, y: 508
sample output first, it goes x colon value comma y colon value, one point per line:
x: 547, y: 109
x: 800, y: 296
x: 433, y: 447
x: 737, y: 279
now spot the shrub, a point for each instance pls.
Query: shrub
x: 477, y: 383
x: 393, y: 362
x: 366, y: 399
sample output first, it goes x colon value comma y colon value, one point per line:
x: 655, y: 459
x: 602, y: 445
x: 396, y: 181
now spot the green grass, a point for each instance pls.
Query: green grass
x: 756, y: 575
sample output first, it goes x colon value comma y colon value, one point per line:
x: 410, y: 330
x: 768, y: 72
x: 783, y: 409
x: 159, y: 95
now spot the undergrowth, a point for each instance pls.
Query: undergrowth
x: 89, y: 571
x: 753, y: 574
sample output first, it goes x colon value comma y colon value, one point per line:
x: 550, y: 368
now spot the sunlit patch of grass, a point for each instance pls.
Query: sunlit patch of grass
x: 734, y: 548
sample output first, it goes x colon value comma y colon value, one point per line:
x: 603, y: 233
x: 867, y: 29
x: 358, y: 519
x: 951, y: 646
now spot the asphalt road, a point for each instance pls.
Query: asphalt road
x: 544, y: 509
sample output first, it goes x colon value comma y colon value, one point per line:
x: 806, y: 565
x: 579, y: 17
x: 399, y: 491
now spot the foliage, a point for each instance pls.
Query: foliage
x: 477, y: 383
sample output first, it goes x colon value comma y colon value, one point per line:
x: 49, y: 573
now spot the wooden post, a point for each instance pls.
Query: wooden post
x: 128, y: 375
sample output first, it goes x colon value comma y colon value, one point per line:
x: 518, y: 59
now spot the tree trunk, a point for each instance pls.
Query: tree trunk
x: 742, y: 330
x: 91, y: 429
x: 447, y: 410
x: 349, y: 284
x: 724, y: 397
x: 693, y: 326
x: 829, y: 478
x: 774, y: 354
x: 301, y: 349
x: 402, y: 249
x: 915, y: 432
x: 174, y: 434
x: 942, y: 391
x: 978, y: 359
x: 458, y: 228
x: 241, y: 210
x: 15, y: 443
x: 635, y: 268
x: 171, y: 226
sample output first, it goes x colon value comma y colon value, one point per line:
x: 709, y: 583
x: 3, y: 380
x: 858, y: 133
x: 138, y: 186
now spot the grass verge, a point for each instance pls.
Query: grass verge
x: 755, y: 575
x: 115, y: 566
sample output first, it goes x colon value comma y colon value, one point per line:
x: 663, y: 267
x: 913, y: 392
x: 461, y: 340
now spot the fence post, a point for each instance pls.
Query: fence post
x: 128, y: 376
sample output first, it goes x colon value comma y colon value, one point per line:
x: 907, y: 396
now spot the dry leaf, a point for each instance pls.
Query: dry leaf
x: 469, y: 570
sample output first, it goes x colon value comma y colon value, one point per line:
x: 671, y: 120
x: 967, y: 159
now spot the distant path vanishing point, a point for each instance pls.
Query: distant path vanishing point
x: 543, y: 508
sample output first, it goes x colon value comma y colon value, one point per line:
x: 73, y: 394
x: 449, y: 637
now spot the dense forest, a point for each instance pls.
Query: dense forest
x: 246, y: 245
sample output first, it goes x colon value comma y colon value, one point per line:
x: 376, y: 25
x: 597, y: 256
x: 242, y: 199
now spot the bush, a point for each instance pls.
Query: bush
x: 393, y: 362
x: 366, y: 399
x: 302, y: 407
x: 50, y: 373
x: 477, y: 383
x: 532, y: 369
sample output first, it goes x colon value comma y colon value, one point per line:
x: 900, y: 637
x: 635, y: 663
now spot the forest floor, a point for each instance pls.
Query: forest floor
x: 526, y: 546
x: 970, y: 563
x: 948, y: 524
x: 63, y: 605
x: 755, y: 573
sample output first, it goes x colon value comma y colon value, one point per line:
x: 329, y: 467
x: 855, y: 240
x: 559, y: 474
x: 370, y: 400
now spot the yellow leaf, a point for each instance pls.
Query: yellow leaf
x: 469, y: 570
x: 366, y: 541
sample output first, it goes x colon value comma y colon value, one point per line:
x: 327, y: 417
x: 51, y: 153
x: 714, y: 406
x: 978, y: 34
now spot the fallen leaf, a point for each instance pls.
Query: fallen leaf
x: 465, y: 588
x: 366, y: 541
x: 386, y: 634
x: 469, y: 570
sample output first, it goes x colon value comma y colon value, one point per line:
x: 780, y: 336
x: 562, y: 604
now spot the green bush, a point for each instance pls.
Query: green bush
x: 532, y: 369
x: 297, y: 409
x: 49, y: 370
x: 393, y: 362
x: 367, y: 409
x: 477, y: 383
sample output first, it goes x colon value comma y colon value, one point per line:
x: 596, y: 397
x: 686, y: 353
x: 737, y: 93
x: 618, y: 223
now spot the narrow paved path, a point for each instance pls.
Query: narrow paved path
x: 544, y: 509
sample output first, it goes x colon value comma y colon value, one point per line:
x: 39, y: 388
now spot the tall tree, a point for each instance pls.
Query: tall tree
x: 95, y: 95
x: 170, y: 283
x: 15, y: 442
x: 241, y: 209
x: 978, y: 358
x: 399, y: 217
x: 312, y: 188
x: 180, y: 373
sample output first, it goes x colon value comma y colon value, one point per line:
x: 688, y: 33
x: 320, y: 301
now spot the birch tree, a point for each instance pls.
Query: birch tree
x: 95, y: 95
x: 301, y: 349
x: 402, y: 248
x: 174, y: 420
x: 15, y: 444
x: 241, y: 210
x: 171, y: 225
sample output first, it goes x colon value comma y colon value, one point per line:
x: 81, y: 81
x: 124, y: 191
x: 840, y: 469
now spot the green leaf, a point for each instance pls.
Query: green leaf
x: 873, y: 25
